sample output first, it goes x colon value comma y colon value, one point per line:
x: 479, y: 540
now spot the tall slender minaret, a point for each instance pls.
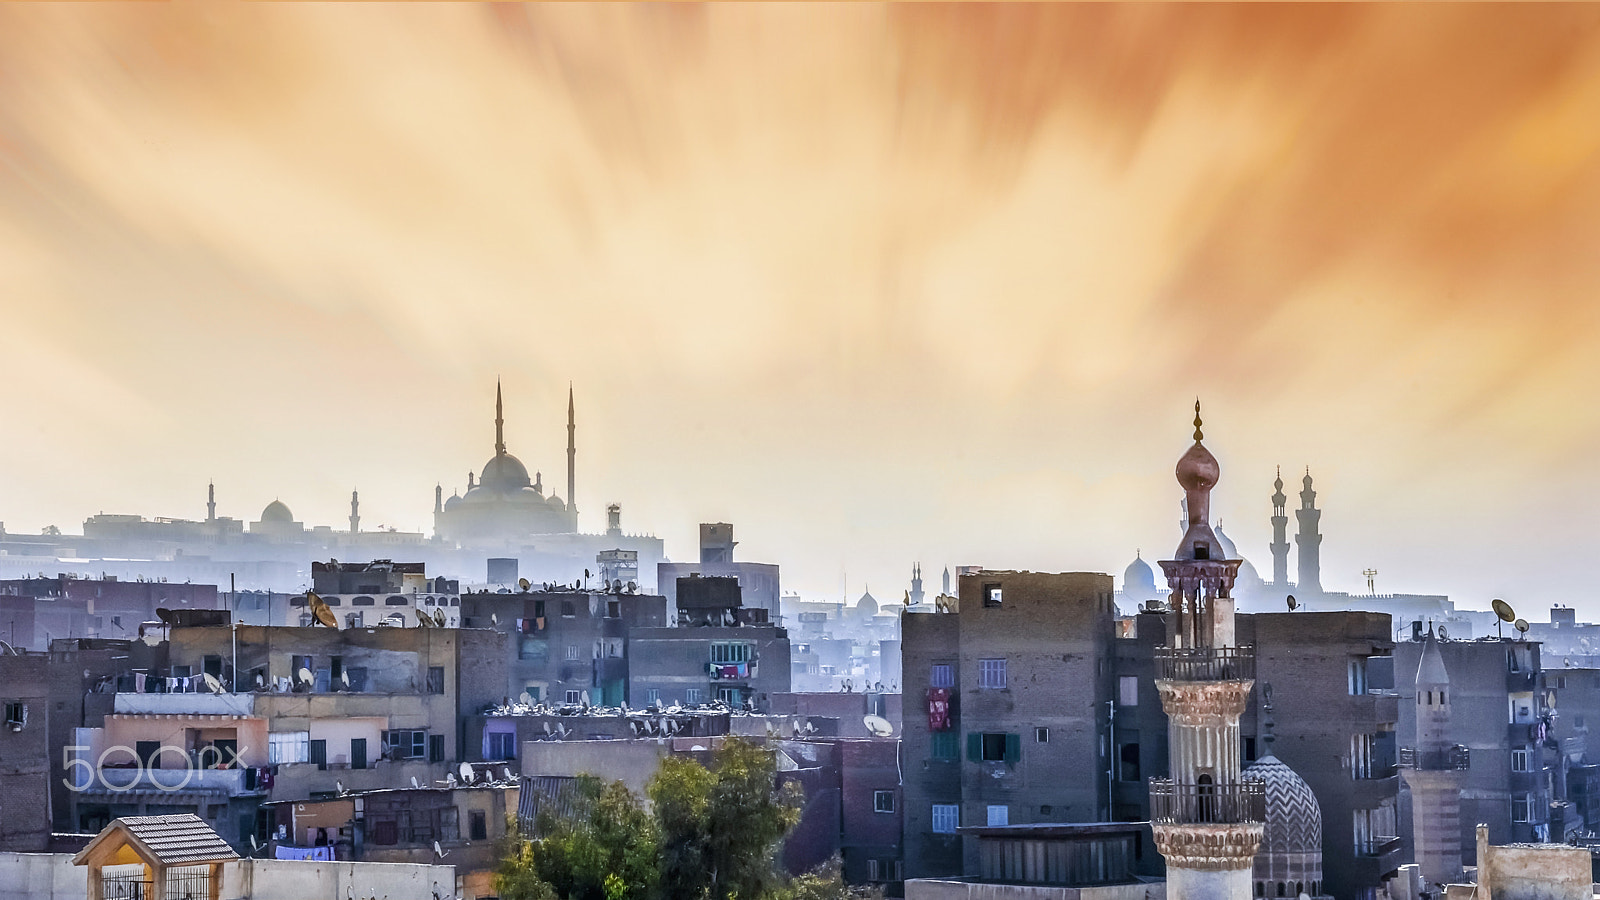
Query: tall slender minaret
x: 1432, y: 770
x: 916, y: 583
x: 1207, y: 820
x: 355, y: 512
x: 211, y: 502
x: 946, y: 588
x: 499, y: 423
x: 1309, y: 541
x: 1280, y: 534
x: 572, y: 456
x: 438, y: 499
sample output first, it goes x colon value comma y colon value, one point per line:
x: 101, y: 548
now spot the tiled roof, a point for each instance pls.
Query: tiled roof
x: 178, y: 840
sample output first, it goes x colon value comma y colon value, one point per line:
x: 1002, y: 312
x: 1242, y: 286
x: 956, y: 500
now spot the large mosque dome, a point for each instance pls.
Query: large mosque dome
x: 504, y: 473
x: 1289, y: 862
x: 277, y: 511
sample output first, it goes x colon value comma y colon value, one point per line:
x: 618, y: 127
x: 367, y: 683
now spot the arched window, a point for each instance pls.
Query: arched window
x: 1280, y: 889
x: 1205, y: 799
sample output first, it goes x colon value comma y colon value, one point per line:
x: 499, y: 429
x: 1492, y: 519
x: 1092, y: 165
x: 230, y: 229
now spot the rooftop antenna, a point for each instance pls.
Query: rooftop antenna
x: 1371, y: 574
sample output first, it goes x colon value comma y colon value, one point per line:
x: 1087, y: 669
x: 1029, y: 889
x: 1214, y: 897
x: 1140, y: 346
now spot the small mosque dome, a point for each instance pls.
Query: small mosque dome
x: 1138, y: 580
x: 276, y: 511
x: 504, y: 473
x: 1291, y: 842
x: 867, y: 605
x: 1225, y: 543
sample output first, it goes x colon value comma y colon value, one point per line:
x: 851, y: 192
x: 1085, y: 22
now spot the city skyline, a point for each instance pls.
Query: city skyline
x: 832, y: 275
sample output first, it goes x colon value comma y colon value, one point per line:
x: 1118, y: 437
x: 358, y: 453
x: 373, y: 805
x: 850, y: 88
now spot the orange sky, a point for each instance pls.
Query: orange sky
x: 873, y: 283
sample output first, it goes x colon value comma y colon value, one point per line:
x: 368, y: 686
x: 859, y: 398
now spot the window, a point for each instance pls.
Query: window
x: 1521, y: 806
x: 358, y: 677
x: 942, y: 675
x: 991, y: 595
x: 363, y: 601
x: 614, y: 609
x: 289, y: 747
x: 574, y: 697
x: 729, y: 653
x: 435, y: 748
x: 572, y: 651
x: 1128, y: 690
x: 1356, y: 676
x: 1128, y: 756
x: 729, y: 695
x: 211, y: 664
x: 395, y: 601
x: 652, y: 696
x: 692, y: 695
x: 1361, y: 755
x: 478, y: 825
x: 1521, y: 760
x: 16, y: 715
x: 942, y: 745
x: 502, y: 746
x: 407, y: 743
x: 946, y: 818
x: 874, y: 870
x: 1041, y: 735
x: 993, y: 746
x: 567, y: 611
x: 992, y: 674
x: 999, y: 816
x: 319, y: 753
x: 883, y: 801
x: 436, y: 679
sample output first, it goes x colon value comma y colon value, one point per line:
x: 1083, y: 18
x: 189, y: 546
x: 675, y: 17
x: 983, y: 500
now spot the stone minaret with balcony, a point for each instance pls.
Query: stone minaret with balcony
x: 1432, y: 770
x: 1207, y: 819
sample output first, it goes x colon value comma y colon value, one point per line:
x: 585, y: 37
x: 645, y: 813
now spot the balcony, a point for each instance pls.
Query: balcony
x: 228, y: 782
x: 1377, y: 858
x: 1206, y: 804
x: 1457, y: 757
x: 1206, y: 664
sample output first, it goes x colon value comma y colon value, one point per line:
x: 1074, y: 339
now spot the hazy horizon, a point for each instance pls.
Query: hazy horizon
x: 875, y: 284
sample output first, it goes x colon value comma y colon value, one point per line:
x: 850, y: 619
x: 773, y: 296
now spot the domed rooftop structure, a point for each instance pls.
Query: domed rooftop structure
x: 504, y: 473
x: 1138, y: 581
x: 277, y: 511
x: 867, y: 605
x: 1289, y: 862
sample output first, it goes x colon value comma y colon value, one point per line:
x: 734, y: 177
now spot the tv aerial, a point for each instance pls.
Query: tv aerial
x: 1504, y: 612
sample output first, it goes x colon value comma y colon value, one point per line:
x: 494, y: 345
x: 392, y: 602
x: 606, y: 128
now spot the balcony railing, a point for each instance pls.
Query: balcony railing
x: 1207, y: 804
x: 1457, y: 757
x: 1377, y: 846
x: 1206, y: 664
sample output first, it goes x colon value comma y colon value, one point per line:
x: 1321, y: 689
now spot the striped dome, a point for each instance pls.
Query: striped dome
x: 1291, y: 845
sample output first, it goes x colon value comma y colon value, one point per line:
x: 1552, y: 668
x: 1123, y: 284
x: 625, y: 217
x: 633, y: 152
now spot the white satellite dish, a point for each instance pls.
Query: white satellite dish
x: 466, y: 773
x: 494, y: 619
x: 213, y: 684
x: 506, y: 770
x: 305, y: 676
x: 878, y: 725
x: 438, y: 617
x: 1443, y: 635
x: 525, y: 698
x: 440, y: 851
x: 414, y: 782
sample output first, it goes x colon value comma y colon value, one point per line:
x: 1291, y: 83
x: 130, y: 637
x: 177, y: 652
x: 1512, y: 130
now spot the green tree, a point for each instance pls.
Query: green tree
x: 607, y: 849
x: 720, y: 827
x: 710, y: 834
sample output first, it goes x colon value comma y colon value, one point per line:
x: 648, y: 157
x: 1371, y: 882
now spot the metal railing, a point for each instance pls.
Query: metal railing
x: 1207, y: 804
x: 1206, y: 664
x: 1457, y: 757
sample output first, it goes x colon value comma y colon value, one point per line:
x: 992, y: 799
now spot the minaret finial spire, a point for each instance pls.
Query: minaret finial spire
x: 572, y: 457
x: 499, y: 422
x: 1197, y: 435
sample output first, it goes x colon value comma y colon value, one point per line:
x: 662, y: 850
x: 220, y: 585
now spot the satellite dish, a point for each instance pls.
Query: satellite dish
x: 164, y: 614
x: 506, y: 770
x: 525, y: 698
x: 1521, y: 625
x: 466, y: 773
x: 261, y: 679
x: 423, y: 620
x: 440, y: 851
x: 414, y: 782
x: 1293, y: 603
x: 213, y: 685
x: 6, y: 649
x: 320, y: 613
x: 523, y: 585
x: 494, y: 619
x: 438, y: 617
x: 878, y: 725
x: 1503, y: 610
x: 344, y: 677
x: 1443, y: 635
x: 632, y: 586
x: 305, y: 677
